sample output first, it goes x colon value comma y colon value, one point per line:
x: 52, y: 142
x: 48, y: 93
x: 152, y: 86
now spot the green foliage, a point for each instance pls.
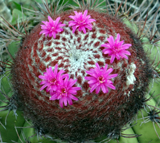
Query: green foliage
x: 18, y: 6
x: 18, y: 16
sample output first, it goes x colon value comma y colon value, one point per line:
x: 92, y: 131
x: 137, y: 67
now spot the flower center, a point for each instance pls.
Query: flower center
x: 81, y: 22
x: 53, y: 81
x: 116, y: 50
x: 63, y: 92
x: 101, y: 79
x: 53, y: 28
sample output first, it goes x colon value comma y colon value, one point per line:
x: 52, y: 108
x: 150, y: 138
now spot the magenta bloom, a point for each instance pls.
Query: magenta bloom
x: 116, y: 49
x: 52, y: 27
x: 65, y: 92
x: 81, y: 21
x: 51, y: 79
x: 100, y: 79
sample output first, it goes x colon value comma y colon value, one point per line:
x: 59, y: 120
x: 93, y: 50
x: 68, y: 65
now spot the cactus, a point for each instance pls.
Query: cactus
x: 82, y: 74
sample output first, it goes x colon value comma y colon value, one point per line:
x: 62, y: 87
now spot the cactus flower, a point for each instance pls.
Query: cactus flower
x: 116, y: 48
x: 100, y: 79
x: 51, y: 79
x: 65, y: 92
x: 81, y: 21
x: 52, y: 27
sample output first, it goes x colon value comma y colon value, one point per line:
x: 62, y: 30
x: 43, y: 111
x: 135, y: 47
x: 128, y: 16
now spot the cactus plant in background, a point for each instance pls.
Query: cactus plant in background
x: 82, y: 71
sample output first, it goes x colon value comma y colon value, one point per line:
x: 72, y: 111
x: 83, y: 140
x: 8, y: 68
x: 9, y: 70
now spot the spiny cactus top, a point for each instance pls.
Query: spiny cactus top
x: 96, y: 69
x: 81, y: 74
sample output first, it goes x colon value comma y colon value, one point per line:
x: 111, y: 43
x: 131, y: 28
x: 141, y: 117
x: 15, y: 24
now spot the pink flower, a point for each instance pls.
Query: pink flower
x: 116, y: 49
x: 65, y: 92
x: 51, y: 79
x: 81, y: 21
x: 52, y: 27
x: 100, y: 79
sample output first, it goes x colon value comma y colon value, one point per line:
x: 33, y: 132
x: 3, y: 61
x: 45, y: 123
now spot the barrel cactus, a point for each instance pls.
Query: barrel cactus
x: 87, y: 71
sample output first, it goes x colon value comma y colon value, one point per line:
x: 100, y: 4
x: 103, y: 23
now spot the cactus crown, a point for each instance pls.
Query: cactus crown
x: 80, y: 74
